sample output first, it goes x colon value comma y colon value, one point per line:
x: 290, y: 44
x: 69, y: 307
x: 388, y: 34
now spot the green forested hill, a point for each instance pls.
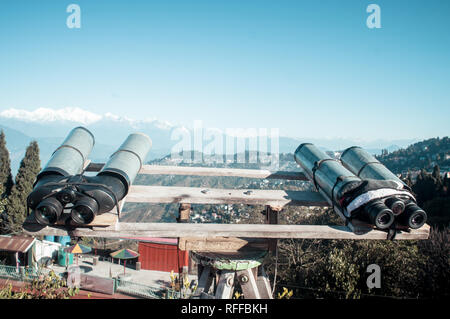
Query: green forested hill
x: 421, y: 155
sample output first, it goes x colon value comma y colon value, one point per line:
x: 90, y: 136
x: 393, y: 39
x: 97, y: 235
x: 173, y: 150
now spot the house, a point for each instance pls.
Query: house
x: 17, y: 250
x: 161, y: 254
x: 26, y: 251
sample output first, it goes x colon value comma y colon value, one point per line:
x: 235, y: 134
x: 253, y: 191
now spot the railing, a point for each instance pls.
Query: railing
x: 145, y: 291
x: 27, y: 274
x: 19, y: 274
x: 108, y: 225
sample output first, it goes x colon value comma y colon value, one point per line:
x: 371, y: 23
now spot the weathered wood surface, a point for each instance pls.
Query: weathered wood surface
x: 228, y: 230
x: 199, y: 195
x: 249, y: 287
x: 221, y: 244
x: 210, y: 171
x: 204, y: 282
x: 263, y: 284
x: 183, y: 213
x: 225, y: 285
x: 104, y: 220
x: 272, y: 219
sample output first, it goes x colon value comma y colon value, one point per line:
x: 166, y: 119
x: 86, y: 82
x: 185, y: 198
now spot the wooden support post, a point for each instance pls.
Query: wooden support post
x: 204, y: 281
x: 255, y: 272
x: 263, y: 284
x: 272, y: 218
x: 248, y: 284
x: 16, y: 255
x: 225, y: 285
x: 193, y: 269
x: 183, y: 213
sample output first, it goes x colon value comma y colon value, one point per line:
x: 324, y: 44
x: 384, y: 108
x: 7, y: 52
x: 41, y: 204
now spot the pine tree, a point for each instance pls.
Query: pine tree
x: 3, y: 216
x: 436, y: 172
x: 6, y: 179
x: 17, y: 206
x: 3, y: 202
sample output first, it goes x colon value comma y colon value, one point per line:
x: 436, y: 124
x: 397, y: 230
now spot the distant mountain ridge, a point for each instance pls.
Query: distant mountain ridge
x: 50, y: 126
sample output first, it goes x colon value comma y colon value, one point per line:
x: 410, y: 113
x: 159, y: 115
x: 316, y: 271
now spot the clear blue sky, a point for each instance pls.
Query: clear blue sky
x: 310, y: 68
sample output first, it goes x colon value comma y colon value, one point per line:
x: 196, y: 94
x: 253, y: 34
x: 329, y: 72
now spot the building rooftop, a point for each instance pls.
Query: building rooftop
x: 16, y: 243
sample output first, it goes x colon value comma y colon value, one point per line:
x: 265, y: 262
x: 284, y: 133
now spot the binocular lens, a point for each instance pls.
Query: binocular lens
x: 84, y: 211
x: 379, y: 214
x: 413, y: 217
x: 48, y: 211
x: 417, y: 220
x: 396, y: 205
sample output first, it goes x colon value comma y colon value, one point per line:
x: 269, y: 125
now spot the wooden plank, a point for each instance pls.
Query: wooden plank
x: 221, y: 244
x: 103, y: 220
x: 183, y: 213
x: 248, y: 284
x: 86, y: 165
x: 225, y: 285
x: 94, y: 167
x: 204, y: 295
x: 228, y: 230
x: 204, y: 281
x: 210, y: 171
x: 272, y: 219
x: 263, y: 284
x: 198, y: 195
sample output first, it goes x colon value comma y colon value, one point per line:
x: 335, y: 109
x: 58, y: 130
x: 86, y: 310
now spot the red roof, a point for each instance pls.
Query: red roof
x: 157, y: 240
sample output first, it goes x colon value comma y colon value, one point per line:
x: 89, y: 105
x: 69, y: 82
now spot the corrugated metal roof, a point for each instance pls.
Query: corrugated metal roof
x: 16, y: 243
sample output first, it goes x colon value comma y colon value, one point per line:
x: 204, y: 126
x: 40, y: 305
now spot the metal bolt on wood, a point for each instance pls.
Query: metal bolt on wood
x: 243, y: 278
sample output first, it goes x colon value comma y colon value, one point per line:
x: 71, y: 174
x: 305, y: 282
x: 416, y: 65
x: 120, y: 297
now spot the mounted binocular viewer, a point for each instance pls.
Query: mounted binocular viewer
x: 360, y: 187
x: 61, y: 186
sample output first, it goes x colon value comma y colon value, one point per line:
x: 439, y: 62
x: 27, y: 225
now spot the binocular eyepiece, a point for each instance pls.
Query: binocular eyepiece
x: 378, y: 214
x: 84, y: 210
x: 366, y: 166
x: 61, y: 186
x: 396, y: 205
x: 405, y: 212
x: 48, y: 211
x: 413, y: 216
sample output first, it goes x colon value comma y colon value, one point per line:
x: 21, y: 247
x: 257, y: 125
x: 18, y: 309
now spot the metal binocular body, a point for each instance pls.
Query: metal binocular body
x: 359, y: 186
x: 60, y: 185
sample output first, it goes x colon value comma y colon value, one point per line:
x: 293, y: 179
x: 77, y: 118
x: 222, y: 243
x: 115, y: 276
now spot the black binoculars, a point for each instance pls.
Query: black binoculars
x: 60, y: 185
x: 359, y: 186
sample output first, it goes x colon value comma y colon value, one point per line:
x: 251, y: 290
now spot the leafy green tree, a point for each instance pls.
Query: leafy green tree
x: 17, y: 206
x: 6, y: 179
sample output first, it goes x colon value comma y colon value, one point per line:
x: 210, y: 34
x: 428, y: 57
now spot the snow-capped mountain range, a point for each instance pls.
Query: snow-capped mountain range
x: 75, y: 115
x: 49, y: 127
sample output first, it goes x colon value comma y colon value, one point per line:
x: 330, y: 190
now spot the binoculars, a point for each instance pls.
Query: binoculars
x: 359, y: 186
x: 60, y: 185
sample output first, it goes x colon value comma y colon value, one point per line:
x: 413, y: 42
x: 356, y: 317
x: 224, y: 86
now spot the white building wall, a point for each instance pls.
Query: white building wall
x: 45, y: 248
